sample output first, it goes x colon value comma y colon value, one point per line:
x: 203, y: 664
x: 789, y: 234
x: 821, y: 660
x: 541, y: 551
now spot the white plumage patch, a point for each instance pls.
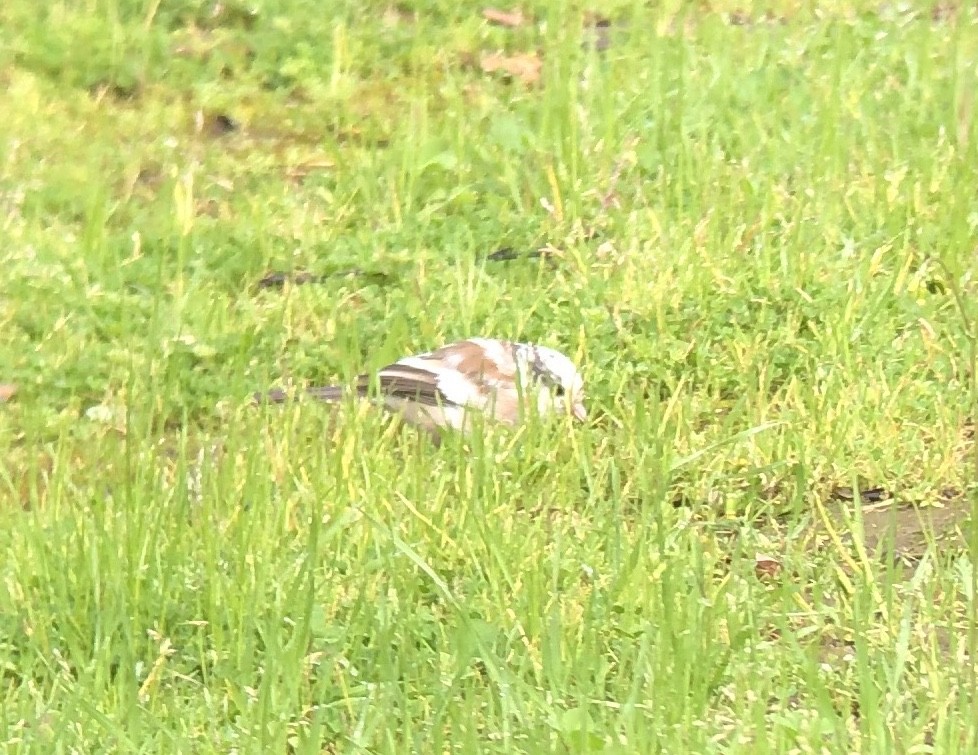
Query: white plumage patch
x: 453, y: 360
x: 496, y: 352
x: 459, y: 388
x: 419, y: 363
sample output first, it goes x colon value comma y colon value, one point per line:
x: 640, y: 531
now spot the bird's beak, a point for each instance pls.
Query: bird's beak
x: 580, y: 413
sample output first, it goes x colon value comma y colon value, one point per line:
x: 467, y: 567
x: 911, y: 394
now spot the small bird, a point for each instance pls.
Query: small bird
x: 500, y: 379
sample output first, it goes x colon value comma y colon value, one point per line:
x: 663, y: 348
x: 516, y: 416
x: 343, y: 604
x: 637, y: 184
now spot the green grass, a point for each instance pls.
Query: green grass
x: 763, y: 240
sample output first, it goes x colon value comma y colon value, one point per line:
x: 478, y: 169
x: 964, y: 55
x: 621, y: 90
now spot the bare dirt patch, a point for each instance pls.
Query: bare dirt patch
x: 902, y: 530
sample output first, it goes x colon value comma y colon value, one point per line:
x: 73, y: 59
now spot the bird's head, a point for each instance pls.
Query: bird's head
x: 558, y: 384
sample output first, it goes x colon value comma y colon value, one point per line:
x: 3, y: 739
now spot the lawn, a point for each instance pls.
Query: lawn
x: 754, y: 227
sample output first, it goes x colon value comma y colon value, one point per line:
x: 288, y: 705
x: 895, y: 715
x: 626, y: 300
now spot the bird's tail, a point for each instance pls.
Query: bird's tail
x: 321, y: 393
x: 326, y: 393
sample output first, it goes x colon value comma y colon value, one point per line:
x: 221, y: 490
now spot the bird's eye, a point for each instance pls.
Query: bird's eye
x: 559, y: 390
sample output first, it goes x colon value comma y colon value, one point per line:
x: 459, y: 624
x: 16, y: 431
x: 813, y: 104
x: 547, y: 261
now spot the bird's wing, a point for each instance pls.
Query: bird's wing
x: 407, y: 382
x: 478, y: 373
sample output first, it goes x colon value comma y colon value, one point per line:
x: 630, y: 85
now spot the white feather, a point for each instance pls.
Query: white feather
x: 455, y: 386
x: 459, y: 389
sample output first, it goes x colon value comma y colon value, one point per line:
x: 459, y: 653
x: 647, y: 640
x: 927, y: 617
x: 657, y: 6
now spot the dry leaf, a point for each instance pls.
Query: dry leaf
x: 523, y: 66
x: 7, y: 390
x: 512, y: 18
x: 766, y: 566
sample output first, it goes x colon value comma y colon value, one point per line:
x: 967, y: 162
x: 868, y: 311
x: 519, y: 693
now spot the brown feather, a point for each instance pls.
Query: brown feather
x: 470, y: 359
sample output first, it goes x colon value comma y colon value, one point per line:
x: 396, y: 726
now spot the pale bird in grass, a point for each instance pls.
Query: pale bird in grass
x: 499, y: 379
